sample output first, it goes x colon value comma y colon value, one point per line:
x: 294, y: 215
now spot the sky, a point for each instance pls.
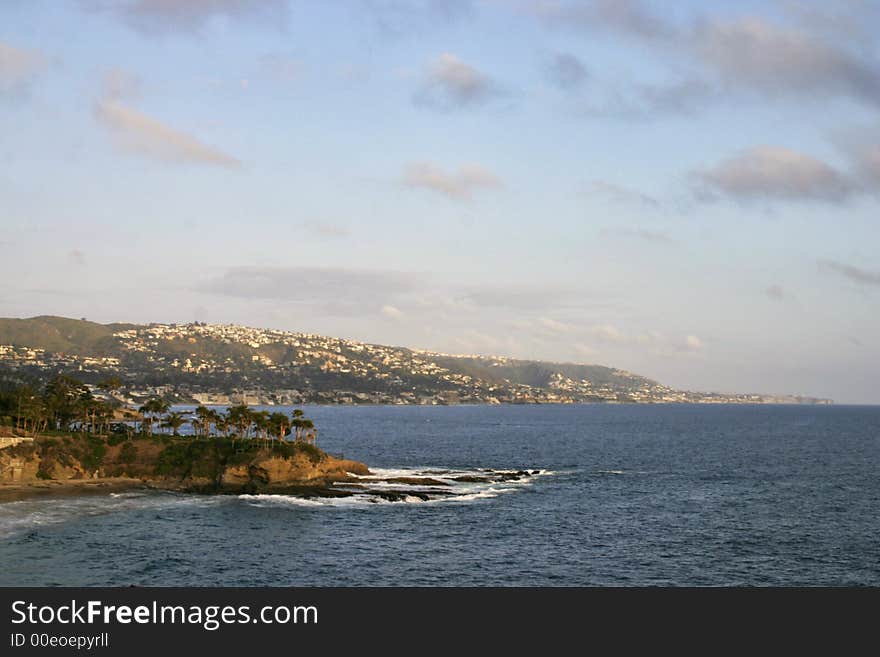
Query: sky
x: 688, y: 191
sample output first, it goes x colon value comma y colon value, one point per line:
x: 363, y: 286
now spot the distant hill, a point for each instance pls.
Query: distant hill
x: 222, y: 363
x: 60, y: 334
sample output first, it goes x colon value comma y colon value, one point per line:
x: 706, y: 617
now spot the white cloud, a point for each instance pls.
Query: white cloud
x: 391, y: 312
x: 554, y: 326
x: 608, y: 333
x: 693, y: 343
x: 459, y: 185
x: 450, y: 83
x: 772, y: 172
x: 141, y: 134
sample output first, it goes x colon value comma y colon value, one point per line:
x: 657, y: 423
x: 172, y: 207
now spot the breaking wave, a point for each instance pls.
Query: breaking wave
x: 403, y: 486
x: 384, y: 486
x: 25, y: 515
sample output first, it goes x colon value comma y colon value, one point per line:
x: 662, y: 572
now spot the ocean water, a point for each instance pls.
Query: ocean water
x: 623, y: 495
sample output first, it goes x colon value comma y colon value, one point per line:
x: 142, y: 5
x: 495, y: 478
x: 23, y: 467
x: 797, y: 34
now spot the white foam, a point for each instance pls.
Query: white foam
x: 23, y: 515
x: 481, y: 495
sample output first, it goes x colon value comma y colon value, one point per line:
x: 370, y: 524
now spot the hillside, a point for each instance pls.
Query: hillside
x: 225, y: 363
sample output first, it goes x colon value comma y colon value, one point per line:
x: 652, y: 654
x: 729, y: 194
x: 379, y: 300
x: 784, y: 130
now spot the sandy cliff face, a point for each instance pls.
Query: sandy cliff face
x: 203, y: 466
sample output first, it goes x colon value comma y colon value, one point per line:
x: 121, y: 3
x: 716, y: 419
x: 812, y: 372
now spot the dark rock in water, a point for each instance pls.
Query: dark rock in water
x: 509, y: 476
x: 401, y: 495
x: 390, y: 495
x: 535, y: 472
x: 414, y: 481
x: 473, y: 479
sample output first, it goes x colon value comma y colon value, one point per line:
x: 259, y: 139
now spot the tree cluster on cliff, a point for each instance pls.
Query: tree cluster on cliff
x: 62, y: 403
x: 67, y: 404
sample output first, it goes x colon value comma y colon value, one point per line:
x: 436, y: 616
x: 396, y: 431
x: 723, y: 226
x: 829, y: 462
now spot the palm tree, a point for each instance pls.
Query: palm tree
x: 280, y: 425
x: 205, y: 417
x: 260, y: 421
x: 146, y: 412
x: 152, y: 409
x: 240, y: 417
x: 308, y: 425
x: 221, y: 422
x: 85, y: 403
x: 160, y: 406
x: 174, y: 421
x: 297, y: 424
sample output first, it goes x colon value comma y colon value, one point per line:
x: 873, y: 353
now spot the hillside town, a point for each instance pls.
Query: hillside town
x: 226, y: 364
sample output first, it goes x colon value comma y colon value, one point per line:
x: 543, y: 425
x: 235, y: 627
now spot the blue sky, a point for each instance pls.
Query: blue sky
x: 685, y: 190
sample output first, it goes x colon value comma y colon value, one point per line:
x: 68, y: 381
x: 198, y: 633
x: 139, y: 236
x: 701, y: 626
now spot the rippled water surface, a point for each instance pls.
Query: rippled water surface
x: 657, y: 495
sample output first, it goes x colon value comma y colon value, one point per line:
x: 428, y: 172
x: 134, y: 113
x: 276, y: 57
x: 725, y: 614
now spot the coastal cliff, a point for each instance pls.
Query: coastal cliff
x: 214, y: 465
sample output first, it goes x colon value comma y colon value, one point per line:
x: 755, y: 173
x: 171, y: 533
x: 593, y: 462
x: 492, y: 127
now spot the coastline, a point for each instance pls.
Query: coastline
x: 16, y: 492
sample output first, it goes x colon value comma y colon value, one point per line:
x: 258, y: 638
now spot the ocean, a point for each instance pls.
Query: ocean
x: 616, y: 495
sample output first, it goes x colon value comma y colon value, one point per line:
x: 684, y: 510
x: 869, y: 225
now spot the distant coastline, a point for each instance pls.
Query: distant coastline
x: 218, y: 364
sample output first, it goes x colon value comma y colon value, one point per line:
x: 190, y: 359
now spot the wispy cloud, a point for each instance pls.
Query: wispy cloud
x: 614, y: 337
x: 76, y: 257
x: 140, y: 134
x: 119, y: 84
x: 325, y: 229
x: 626, y: 17
x: 851, y: 272
x: 168, y: 16
x: 865, y: 157
x: 391, y: 312
x: 775, y: 292
x: 281, y: 67
x: 621, y: 194
x: 459, y: 185
x: 450, y: 83
x: 729, y: 56
x: 19, y: 68
x: 331, y: 290
x: 566, y: 71
x: 556, y: 327
x: 755, y: 54
x: 772, y: 172
x: 643, y: 234
x: 608, y: 333
x: 396, y: 18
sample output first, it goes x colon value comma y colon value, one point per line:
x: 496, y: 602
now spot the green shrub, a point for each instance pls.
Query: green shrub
x: 91, y: 455
x: 314, y: 454
x: 128, y: 453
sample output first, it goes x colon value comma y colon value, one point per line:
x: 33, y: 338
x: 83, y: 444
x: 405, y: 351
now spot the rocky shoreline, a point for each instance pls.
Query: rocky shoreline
x: 72, y: 465
x: 81, y: 464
